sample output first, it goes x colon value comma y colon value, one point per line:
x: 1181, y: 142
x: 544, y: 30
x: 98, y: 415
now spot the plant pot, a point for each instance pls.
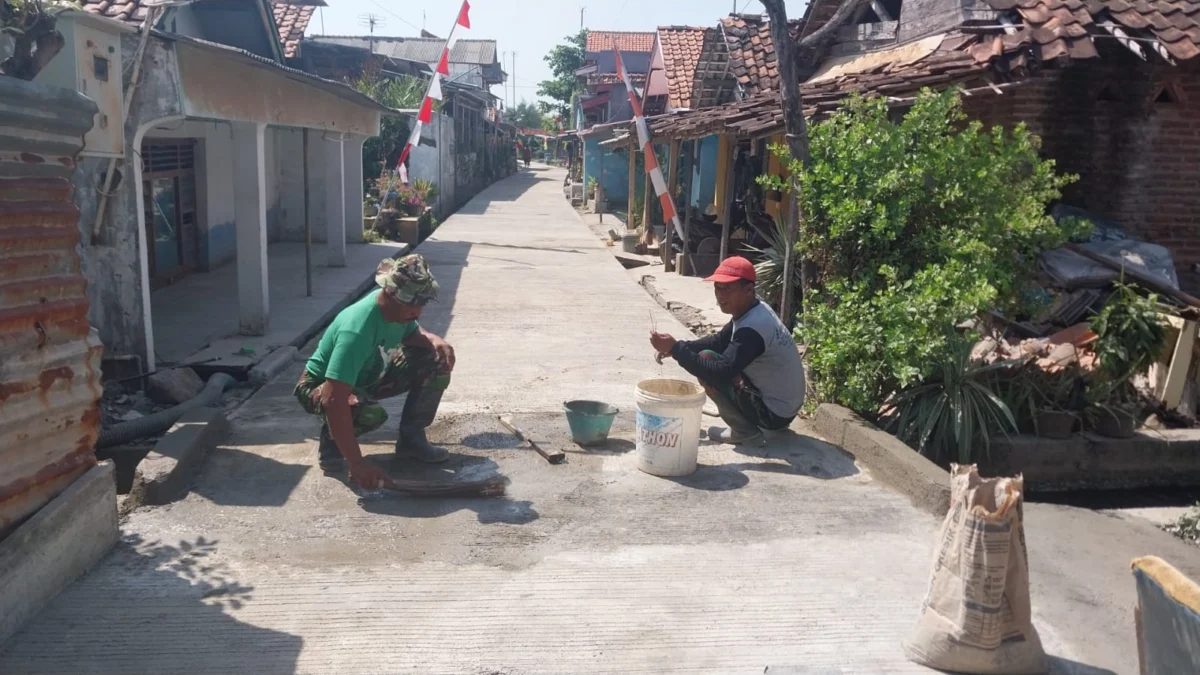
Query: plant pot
x: 1054, y: 424
x: 1115, y: 425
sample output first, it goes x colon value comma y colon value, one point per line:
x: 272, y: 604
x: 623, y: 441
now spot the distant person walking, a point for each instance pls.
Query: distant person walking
x: 526, y: 154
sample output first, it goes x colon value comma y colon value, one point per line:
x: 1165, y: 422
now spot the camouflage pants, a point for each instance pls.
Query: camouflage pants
x: 404, y: 370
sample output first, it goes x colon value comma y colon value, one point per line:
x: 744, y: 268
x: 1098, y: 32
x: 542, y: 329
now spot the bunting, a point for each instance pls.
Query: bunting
x: 643, y: 135
x: 434, y: 92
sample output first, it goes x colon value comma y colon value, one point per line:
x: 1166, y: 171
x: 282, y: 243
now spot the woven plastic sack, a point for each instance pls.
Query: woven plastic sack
x: 976, y: 617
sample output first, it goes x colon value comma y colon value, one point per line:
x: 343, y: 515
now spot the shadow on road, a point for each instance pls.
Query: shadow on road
x: 459, y: 467
x: 507, y: 190
x: 148, y: 604
x: 798, y: 454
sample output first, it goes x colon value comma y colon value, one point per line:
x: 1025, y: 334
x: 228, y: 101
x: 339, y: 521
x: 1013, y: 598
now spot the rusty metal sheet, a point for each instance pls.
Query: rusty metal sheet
x: 49, y: 357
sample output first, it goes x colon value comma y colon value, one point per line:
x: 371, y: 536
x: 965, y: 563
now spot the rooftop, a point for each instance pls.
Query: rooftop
x: 681, y: 49
x: 606, y: 41
x: 752, y: 51
x: 422, y: 49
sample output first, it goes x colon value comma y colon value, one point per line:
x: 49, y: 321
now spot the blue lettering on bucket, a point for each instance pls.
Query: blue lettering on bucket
x: 660, y: 431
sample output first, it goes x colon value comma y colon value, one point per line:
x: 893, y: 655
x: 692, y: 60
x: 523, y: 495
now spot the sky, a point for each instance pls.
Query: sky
x: 528, y: 28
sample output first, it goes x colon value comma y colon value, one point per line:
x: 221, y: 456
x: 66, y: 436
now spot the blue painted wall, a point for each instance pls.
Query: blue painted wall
x: 615, y: 170
x: 704, y: 176
x: 606, y: 61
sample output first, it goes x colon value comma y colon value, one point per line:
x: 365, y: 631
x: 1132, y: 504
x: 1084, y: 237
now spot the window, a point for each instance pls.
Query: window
x: 100, y: 68
x: 169, y: 190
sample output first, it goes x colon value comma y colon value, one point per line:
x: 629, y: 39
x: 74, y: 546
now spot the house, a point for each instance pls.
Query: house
x: 604, y: 98
x: 472, y: 63
x: 1111, y: 88
x: 195, y: 203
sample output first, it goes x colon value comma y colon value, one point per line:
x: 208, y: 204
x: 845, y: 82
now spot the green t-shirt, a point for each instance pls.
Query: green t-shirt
x: 355, y: 344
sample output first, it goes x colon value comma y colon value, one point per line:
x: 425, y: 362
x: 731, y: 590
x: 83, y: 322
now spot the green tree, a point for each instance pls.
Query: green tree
x: 913, y: 227
x: 564, y: 60
x: 405, y: 92
x: 526, y: 116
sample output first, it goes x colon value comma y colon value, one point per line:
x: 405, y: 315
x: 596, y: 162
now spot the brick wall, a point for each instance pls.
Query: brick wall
x: 1138, y: 159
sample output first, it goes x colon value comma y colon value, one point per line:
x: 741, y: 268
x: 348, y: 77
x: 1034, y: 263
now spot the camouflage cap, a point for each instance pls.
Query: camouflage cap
x: 407, y: 280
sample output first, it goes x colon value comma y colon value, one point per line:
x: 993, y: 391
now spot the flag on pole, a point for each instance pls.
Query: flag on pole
x: 434, y: 92
x: 643, y: 136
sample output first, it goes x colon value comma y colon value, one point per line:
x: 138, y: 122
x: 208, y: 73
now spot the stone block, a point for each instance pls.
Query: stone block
x: 172, y: 387
x: 167, y: 471
x: 43, y: 555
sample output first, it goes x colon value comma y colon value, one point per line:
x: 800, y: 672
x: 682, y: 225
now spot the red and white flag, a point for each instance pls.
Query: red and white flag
x: 643, y: 135
x: 434, y: 92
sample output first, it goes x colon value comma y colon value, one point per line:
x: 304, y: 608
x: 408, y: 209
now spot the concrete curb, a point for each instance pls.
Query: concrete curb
x: 275, y: 363
x: 890, y: 461
x: 167, y: 471
x: 56, y: 545
x: 320, y: 324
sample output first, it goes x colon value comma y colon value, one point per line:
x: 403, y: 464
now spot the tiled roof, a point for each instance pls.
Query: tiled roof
x: 950, y: 64
x: 752, y: 51
x: 292, y: 21
x: 681, y: 48
x: 291, y: 18
x: 606, y: 40
x: 129, y: 11
x: 1050, y: 29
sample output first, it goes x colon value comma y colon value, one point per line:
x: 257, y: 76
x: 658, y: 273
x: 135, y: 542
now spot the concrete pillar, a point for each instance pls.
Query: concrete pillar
x: 352, y: 168
x: 250, y: 214
x: 335, y: 200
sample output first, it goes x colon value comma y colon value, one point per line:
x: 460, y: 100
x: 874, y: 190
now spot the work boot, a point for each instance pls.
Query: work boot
x: 328, y: 457
x: 419, y: 411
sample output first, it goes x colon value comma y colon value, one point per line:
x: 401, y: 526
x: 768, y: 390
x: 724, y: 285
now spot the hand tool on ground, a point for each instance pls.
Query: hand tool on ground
x: 543, y: 447
x: 488, y: 487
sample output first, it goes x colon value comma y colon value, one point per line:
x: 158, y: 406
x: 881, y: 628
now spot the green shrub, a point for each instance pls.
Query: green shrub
x: 913, y: 226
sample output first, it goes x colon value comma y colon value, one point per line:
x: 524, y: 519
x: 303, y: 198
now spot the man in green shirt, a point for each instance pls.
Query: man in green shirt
x: 374, y: 350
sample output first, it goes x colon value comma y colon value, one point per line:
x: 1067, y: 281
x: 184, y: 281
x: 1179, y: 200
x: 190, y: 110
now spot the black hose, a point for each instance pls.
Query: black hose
x: 159, y: 422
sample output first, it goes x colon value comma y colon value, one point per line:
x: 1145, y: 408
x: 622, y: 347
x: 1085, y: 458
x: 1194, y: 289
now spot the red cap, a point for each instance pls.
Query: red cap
x: 733, y: 269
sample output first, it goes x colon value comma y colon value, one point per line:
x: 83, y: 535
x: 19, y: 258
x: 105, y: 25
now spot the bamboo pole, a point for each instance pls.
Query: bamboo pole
x: 672, y: 180
x: 632, y: 190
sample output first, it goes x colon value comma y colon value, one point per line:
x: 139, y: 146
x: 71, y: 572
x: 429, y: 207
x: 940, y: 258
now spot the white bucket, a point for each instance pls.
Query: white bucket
x: 668, y: 426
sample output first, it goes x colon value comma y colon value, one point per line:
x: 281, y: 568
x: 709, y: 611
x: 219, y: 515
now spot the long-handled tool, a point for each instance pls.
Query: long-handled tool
x: 544, y: 448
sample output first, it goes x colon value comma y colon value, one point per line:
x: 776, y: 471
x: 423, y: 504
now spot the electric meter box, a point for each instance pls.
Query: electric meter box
x: 90, y: 63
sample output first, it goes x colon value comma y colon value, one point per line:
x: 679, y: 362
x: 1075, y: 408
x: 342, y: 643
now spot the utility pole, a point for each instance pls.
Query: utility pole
x: 514, y: 79
x: 583, y: 7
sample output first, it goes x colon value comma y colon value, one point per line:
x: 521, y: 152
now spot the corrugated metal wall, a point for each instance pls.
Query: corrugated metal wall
x: 49, y: 358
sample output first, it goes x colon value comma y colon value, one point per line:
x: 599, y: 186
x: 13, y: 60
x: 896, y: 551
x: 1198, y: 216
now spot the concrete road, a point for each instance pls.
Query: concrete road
x: 788, y: 560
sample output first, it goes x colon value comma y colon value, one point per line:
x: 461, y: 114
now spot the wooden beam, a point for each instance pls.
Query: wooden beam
x: 647, y: 190
x: 668, y: 253
x: 632, y: 190
x: 729, y: 195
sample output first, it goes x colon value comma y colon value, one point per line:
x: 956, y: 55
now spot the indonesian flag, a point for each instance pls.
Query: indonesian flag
x: 435, y: 87
x: 464, y: 18
x: 443, y: 66
x: 426, y: 114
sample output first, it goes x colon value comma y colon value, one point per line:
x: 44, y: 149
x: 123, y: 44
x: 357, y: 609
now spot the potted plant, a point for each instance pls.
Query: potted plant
x: 1130, y: 338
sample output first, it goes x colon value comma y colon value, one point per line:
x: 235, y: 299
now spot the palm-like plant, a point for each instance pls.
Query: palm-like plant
x: 770, y: 268
x: 954, y: 411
